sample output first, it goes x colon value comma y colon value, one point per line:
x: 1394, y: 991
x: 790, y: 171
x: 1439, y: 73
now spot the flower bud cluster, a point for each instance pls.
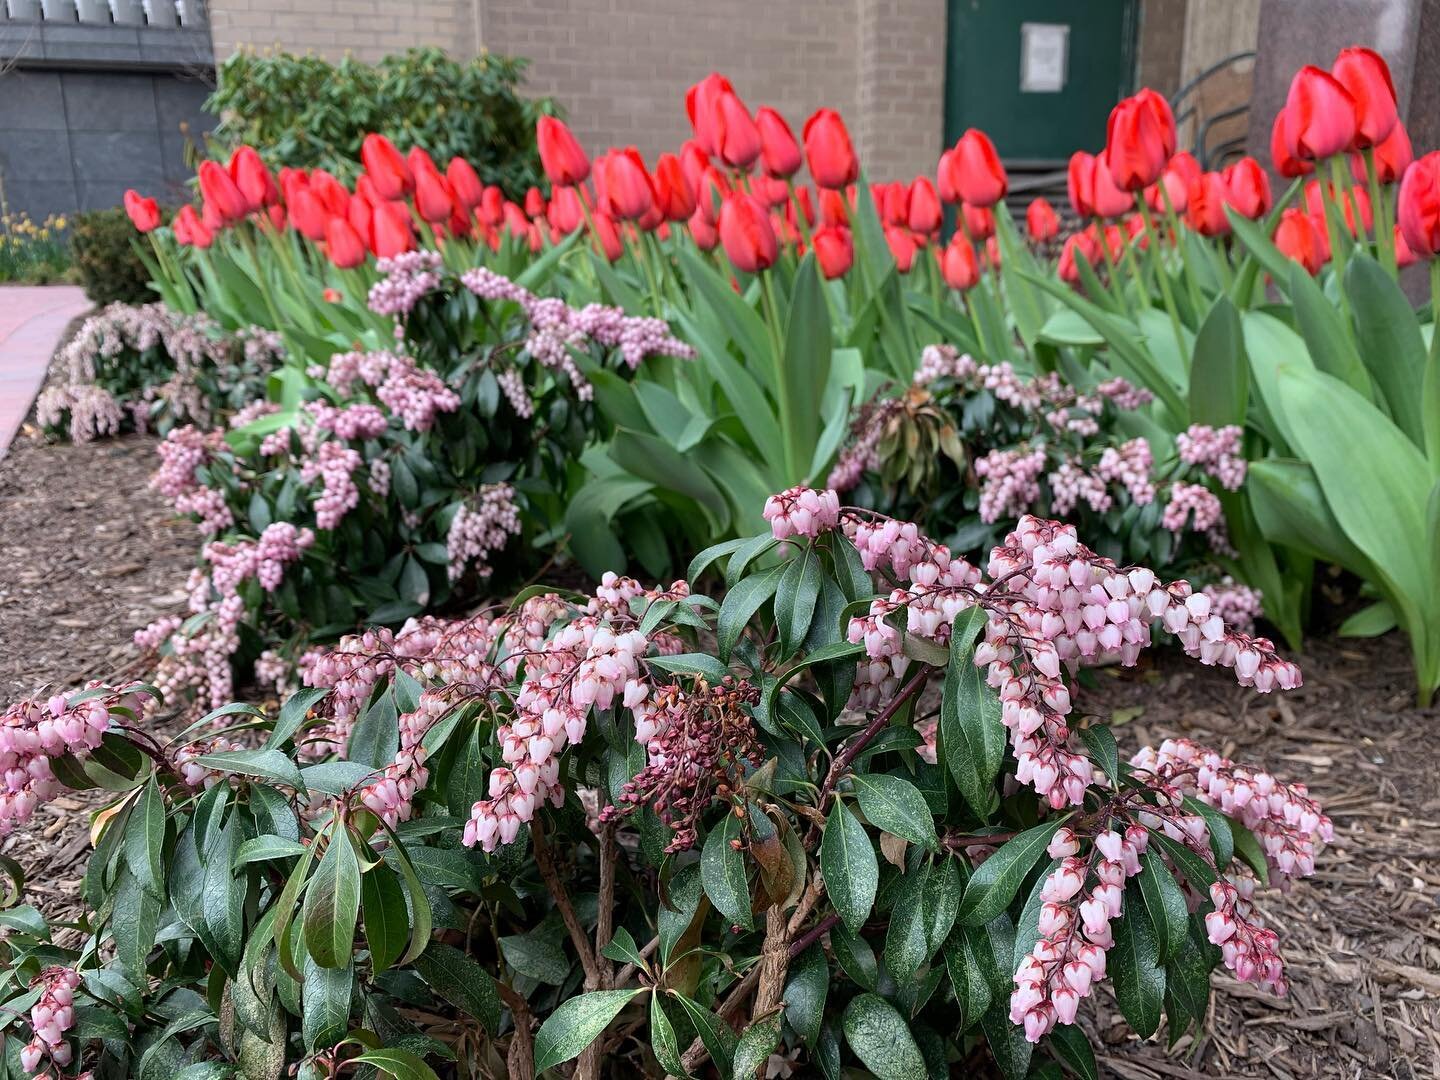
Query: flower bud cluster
x: 1011, y: 481
x: 1196, y: 499
x: 335, y: 466
x: 801, y: 511
x: 414, y: 394
x: 1239, y: 605
x: 196, y: 775
x: 33, y: 732
x: 1217, y: 451
x: 480, y: 528
x: 50, y: 1017
x: 1080, y: 898
x: 1128, y: 465
x: 406, y: 279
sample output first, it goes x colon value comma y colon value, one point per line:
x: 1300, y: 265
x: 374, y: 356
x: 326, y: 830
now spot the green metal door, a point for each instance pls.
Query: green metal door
x: 1038, y: 76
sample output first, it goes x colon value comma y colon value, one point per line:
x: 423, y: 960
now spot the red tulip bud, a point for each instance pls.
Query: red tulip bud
x: 737, y: 139
x: 1418, y: 211
x: 190, y: 230
x: 1298, y: 239
x: 492, y: 205
x: 746, y: 232
x: 308, y: 214
x: 387, y: 170
x: 253, y: 178
x: 221, y: 195
x: 673, y: 193
x: 1249, y: 186
x: 464, y: 183
x: 834, y: 251
x: 902, y: 247
x: 608, y: 234
x: 332, y: 194
x: 976, y: 172
x: 1392, y: 157
x: 700, y: 102
x: 1366, y: 76
x: 144, y: 212
x: 705, y: 234
x: 779, y: 152
x: 828, y: 150
x: 979, y: 221
x: 534, y: 203
x: 432, y: 198
x: 343, y: 244
x: 1041, y: 221
x: 393, y: 234
x: 564, y: 161
x: 1207, y: 198
x: 566, y: 212
x: 1135, y: 144
x: 624, y: 185
x: 925, y: 210
x: 1320, y: 115
x: 958, y: 264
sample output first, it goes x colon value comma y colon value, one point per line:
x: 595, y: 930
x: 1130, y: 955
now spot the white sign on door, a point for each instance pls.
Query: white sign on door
x: 1044, y: 57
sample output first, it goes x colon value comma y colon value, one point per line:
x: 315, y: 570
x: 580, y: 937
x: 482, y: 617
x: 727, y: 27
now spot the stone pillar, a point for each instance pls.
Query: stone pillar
x: 1298, y: 32
x: 901, y: 94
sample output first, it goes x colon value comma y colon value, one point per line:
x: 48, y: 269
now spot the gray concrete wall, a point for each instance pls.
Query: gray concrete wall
x: 88, y: 111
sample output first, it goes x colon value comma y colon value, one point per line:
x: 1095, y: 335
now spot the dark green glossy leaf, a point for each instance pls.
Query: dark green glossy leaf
x: 849, y: 867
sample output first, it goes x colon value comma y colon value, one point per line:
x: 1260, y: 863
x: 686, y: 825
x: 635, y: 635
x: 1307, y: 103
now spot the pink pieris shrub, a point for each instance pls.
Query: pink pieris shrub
x: 975, y: 446
x: 562, y: 811
x: 146, y: 368
x: 398, y: 479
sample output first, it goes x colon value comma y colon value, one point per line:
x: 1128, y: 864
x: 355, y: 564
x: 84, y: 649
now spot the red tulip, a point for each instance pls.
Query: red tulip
x: 1249, y: 186
x: 979, y: 221
x: 892, y: 201
x: 1418, y: 211
x: 1181, y: 171
x: 1392, y: 157
x: 566, y: 212
x: 779, y: 152
x: 332, y: 194
x: 516, y: 221
x: 737, y: 139
x: 492, y: 206
x: 1298, y: 239
x: 387, y: 169
x: 925, y: 210
x: 1281, y: 154
x: 746, y: 232
x: 834, y: 250
x: 392, y: 229
x: 1041, y: 221
x: 253, y: 178
x: 1106, y: 197
x: 211, y: 217
x: 693, y: 162
x: 1077, y: 246
x: 958, y: 264
x: 220, y: 193
x: 291, y: 181
x: 945, y: 177
x: 976, y: 172
x: 1364, y: 73
x: 343, y: 244
x: 902, y: 247
x: 992, y: 252
x: 144, y: 212
x: 1080, y: 183
x: 711, y: 193
x: 802, y: 197
x: 465, y: 183
x: 360, y: 213
x: 534, y: 202
x: 1164, y: 117
x: 608, y: 233
x: 703, y: 231
x: 432, y: 199
x: 308, y: 214
x: 1205, y: 210
x: 564, y: 161
x: 673, y: 194
x: 190, y: 230
x: 1403, y: 255
x: 829, y: 152
x: 1319, y: 115
x: 1135, y: 148
x: 834, y: 210
x: 700, y: 102
x: 770, y: 191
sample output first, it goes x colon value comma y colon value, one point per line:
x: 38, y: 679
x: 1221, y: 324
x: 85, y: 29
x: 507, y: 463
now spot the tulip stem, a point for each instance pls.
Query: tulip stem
x: 1339, y: 237
x: 800, y: 222
x: 1384, y: 233
x: 1197, y: 301
x: 1165, y: 294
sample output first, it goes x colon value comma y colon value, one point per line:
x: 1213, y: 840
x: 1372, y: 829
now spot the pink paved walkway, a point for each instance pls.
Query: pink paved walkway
x: 32, y: 318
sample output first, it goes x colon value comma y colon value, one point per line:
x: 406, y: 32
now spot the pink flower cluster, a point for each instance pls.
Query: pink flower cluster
x: 1196, y: 499
x: 1011, y: 481
x: 1128, y: 465
x: 196, y: 775
x: 1125, y: 396
x: 334, y: 465
x: 1239, y: 605
x: 801, y: 511
x: 31, y: 733
x: 413, y: 393
x: 182, y: 454
x: 481, y: 528
x: 406, y: 279
x: 1070, y: 484
x: 1080, y: 896
x: 1217, y: 451
x: 50, y: 1018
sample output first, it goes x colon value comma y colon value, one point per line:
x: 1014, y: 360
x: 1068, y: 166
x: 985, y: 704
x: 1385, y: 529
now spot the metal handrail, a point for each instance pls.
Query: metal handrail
x: 1187, y: 110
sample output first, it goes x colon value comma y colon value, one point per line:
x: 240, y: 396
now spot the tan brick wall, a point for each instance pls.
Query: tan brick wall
x: 900, y: 118
x: 620, y: 67
x: 368, y: 29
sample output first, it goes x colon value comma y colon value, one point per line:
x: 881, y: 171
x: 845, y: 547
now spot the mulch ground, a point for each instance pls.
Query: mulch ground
x: 87, y: 554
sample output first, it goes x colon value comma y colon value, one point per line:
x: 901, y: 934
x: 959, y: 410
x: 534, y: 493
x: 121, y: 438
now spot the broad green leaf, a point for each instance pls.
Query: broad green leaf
x: 457, y: 979
x: 1134, y: 967
x: 740, y: 605
x: 292, y: 714
x: 972, y: 738
x: 907, y: 938
x: 1187, y: 980
x: 967, y: 978
x: 537, y: 955
x: 576, y: 1023
x: 326, y: 1004
x: 855, y: 957
x: 1249, y: 850
x: 882, y: 1040
x: 387, y: 926
x: 269, y: 765
x: 1378, y: 618
x: 651, y: 458
x: 1388, y: 338
x: 1219, y: 368
x: 145, y: 839
x: 1072, y: 1047
x: 622, y: 948
x: 716, y: 1035
x: 1165, y: 905
x: 266, y: 847
x: 332, y: 902
x: 896, y: 806
x: 795, y: 597
x: 1325, y: 333
x: 1196, y: 870
x: 397, y: 1063
x: 375, y: 737
x: 722, y: 871
x: 849, y: 867
x: 756, y: 1043
x: 804, y: 369
x: 671, y: 922
x: 995, y: 883
x: 806, y: 987
x: 663, y: 1039
x: 1100, y: 741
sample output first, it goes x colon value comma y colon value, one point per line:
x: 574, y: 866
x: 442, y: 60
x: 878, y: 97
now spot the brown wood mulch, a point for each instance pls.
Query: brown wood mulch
x: 87, y: 554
